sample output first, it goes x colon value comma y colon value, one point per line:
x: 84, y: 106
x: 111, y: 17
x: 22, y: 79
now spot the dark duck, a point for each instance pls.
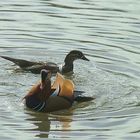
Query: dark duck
x: 36, y: 67
x: 47, y: 97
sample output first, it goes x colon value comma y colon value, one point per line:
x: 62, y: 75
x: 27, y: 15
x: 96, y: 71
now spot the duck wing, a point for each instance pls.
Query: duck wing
x: 67, y: 89
x: 38, y: 67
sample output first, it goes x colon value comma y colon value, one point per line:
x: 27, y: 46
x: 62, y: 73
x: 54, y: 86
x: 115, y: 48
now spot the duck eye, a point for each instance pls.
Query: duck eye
x: 80, y: 55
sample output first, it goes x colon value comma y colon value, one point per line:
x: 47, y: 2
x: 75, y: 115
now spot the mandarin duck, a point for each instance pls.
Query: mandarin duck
x: 36, y: 67
x: 47, y: 97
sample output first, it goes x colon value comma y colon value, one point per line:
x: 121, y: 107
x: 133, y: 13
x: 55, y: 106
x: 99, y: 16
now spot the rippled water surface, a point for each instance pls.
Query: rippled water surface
x: 107, y: 32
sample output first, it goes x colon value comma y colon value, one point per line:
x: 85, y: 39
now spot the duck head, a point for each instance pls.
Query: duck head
x: 74, y: 55
x: 70, y: 58
x: 45, y: 84
x: 45, y: 78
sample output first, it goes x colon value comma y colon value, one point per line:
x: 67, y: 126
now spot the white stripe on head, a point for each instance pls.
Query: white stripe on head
x: 44, y: 70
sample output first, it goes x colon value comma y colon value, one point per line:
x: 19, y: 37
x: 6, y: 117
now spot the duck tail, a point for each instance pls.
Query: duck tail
x: 10, y: 59
x: 83, y: 99
x: 20, y: 62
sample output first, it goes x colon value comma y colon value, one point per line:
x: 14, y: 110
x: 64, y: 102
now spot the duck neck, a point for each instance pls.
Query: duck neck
x: 45, y: 90
x: 67, y: 67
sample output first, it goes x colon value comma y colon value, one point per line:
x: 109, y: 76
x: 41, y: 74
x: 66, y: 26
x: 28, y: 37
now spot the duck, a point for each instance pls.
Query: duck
x: 46, y: 96
x: 36, y: 67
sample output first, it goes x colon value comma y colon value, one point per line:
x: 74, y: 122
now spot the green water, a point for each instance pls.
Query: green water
x: 107, y: 32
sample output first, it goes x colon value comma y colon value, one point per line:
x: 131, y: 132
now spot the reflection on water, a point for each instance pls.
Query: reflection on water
x: 107, y: 32
x: 41, y: 123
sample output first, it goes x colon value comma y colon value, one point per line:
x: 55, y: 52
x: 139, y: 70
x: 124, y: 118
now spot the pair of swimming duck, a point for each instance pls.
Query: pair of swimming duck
x: 45, y: 96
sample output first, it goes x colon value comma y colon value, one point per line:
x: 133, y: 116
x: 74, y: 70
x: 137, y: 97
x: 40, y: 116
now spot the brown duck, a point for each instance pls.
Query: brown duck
x: 36, y: 67
x: 47, y: 97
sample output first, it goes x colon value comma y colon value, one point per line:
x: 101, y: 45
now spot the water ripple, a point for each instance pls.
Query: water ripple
x: 107, y: 32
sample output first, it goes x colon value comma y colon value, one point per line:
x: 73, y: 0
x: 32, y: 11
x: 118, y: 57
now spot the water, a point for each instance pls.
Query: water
x: 108, y: 32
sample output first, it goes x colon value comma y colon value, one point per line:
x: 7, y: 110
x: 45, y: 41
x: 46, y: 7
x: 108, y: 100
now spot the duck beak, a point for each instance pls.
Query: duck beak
x: 84, y: 58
